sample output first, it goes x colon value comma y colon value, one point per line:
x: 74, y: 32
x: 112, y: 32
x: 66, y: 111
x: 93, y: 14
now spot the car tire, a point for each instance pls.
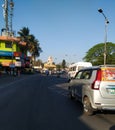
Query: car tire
x: 87, y: 108
x: 71, y: 93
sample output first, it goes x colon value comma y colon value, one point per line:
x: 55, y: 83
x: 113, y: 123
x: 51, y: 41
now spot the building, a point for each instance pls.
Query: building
x: 10, y: 54
x: 49, y: 64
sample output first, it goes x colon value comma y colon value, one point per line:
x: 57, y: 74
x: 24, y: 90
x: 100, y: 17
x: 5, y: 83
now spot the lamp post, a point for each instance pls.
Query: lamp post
x: 105, y: 39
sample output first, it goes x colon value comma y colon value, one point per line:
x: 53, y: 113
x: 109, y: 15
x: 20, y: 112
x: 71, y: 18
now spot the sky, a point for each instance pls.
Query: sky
x: 66, y: 29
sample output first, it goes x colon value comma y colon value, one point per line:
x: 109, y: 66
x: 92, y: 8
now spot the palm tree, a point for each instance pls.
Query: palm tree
x: 32, y: 44
x: 34, y: 47
x: 24, y: 36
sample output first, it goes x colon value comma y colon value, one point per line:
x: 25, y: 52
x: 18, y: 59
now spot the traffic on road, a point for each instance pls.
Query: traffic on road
x: 40, y: 102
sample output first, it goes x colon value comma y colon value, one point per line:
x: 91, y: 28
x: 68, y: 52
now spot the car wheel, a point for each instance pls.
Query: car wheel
x: 87, y: 108
x: 71, y: 93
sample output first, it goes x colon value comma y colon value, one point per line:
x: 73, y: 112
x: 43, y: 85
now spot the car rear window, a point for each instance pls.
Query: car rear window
x: 108, y: 74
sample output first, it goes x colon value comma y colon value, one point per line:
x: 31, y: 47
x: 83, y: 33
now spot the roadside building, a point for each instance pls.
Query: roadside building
x: 10, y: 54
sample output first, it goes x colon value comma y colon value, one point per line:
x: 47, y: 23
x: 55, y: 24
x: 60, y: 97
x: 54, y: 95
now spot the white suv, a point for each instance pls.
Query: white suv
x: 95, y: 88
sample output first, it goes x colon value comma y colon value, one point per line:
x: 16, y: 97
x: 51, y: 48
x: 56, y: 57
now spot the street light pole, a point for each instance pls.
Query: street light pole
x: 105, y: 39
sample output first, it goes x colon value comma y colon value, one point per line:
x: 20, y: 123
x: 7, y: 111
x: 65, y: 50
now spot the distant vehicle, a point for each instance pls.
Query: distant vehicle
x: 75, y: 67
x: 95, y: 88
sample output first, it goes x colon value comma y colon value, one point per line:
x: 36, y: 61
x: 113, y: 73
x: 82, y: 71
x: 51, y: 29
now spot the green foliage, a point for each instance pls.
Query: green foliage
x: 95, y: 55
x: 63, y: 64
x: 33, y: 45
x: 58, y: 67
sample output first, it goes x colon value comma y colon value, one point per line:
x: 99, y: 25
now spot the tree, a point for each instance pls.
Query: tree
x: 95, y: 55
x: 32, y: 44
x: 58, y: 67
x: 63, y: 64
x: 38, y: 62
x: 24, y: 36
x: 34, y: 47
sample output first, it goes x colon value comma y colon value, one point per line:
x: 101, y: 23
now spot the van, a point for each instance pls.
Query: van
x: 75, y: 67
x: 95, y: 88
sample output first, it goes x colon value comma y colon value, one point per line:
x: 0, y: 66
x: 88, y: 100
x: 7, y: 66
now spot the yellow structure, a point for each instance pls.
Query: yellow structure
x: 8, y: 45
x: 49, y: 64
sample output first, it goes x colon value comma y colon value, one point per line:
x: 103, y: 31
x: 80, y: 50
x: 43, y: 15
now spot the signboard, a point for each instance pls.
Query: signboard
x: 18, y: 63
x: 5, y: 53
x: 108, y: 74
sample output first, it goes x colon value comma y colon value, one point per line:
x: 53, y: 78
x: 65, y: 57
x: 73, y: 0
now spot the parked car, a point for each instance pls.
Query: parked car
x: 95, y: 88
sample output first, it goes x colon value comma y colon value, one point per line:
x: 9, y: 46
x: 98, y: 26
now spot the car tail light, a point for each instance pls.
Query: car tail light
x: 96, y: 83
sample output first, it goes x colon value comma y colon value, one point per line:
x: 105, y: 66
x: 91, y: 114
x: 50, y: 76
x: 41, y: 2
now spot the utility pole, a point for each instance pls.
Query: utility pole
x: 8, y: 7
x: 5, y: 14
x: 11, y: 15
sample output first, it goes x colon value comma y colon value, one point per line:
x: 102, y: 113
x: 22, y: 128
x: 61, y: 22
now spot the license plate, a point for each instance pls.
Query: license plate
x: 111, y: 90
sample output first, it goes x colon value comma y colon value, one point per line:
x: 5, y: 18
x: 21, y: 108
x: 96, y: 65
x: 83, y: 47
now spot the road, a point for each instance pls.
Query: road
x: 39, y: 102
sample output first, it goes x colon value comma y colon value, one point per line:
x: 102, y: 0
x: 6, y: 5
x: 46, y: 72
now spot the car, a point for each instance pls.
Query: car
x: 94, y: 87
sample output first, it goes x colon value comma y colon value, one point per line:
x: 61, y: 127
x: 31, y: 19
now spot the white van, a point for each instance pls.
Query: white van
x: 75, y: 67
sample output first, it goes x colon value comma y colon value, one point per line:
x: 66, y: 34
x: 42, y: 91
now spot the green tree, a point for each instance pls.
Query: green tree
x: 34, y: 47
x: 58, y: 67
x: 24, y: 36
x: 95, y: 55
x: 38, y: 62
x: 32, y: 44
x: 63, y: 64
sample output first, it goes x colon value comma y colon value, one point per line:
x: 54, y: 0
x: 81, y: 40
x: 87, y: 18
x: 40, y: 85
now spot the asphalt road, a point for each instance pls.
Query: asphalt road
x: 39, y: 102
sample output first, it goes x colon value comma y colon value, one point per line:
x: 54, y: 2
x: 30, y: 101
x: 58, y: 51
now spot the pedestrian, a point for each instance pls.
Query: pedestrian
x: 47, y: 72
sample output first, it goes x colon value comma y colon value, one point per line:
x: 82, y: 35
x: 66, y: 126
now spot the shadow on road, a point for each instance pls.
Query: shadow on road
x: 64, y: 113
x: 39, y: 103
